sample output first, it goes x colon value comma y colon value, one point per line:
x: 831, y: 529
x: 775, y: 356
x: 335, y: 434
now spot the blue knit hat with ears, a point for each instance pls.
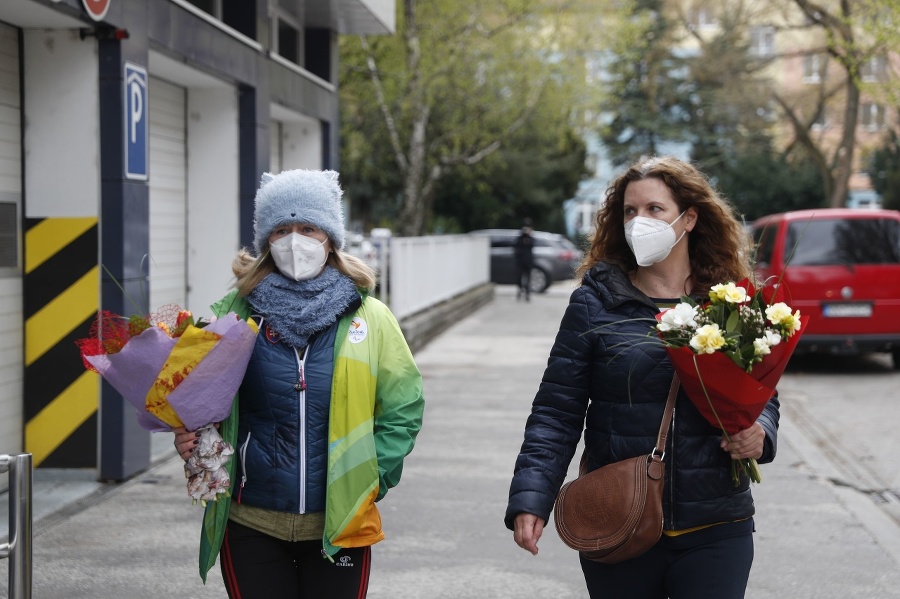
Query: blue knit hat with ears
x: 299, y: 196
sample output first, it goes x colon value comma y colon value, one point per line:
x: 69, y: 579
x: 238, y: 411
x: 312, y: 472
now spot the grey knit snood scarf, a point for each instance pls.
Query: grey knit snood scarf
x: 297, y: 310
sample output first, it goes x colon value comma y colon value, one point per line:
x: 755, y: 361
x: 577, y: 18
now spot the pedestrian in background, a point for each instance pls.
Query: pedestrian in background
x: 329, y: 407
x: 524, y: 254
x: 663, y: 232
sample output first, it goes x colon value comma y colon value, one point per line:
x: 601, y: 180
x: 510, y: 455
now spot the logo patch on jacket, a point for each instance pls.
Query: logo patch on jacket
x: 272, y: 336
x: 358, y: 330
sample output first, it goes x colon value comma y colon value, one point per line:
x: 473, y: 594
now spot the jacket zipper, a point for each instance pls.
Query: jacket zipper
x: 300, y: 387
x: 243, y: 453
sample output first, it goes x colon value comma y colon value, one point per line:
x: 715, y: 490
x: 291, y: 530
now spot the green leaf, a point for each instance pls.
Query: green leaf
x: 734, y: 322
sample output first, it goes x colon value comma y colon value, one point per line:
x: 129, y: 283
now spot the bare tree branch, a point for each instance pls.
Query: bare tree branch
x: 393, y: 134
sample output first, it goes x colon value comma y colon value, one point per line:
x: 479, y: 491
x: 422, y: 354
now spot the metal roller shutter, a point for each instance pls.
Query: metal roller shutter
x: 11, y: 326
x: 168, y: 194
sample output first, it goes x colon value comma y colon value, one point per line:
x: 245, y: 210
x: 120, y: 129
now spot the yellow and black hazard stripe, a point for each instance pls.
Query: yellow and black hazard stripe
x: 61, y: 291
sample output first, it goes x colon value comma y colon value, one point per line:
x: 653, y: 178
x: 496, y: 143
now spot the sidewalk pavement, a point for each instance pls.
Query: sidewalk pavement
x: 444, y: 522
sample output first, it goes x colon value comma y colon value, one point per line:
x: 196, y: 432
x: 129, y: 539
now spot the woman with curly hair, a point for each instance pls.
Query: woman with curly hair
x: 663, y: 232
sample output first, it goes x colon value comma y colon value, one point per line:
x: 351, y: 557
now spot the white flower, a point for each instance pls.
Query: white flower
x: 680, y: 317
x: 762, y: 346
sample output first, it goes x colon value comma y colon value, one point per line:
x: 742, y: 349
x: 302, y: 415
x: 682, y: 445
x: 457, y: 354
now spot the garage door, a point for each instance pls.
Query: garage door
x: 11, y: 367
x: 168, y: 194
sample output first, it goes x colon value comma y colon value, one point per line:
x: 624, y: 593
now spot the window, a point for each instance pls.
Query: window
x: 502, y: 242
x: 873, y: 69
x: 845, y: 242
x: 701, y: 17
x: 762, y: 41
x: 765, y: 243
x: 237, y: 14
x: 815, y: 67
x: 213, y: 7
x: 288, y: 42
x: 871, y: 115
x: 287, y: 36
x: 821, y: 120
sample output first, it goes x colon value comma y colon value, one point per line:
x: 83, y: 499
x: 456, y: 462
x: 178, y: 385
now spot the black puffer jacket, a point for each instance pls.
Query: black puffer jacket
x: 606, y: 377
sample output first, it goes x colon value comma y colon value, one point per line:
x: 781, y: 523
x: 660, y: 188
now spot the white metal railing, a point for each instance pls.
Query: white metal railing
x: 18, y: 547
x: 425, y: 271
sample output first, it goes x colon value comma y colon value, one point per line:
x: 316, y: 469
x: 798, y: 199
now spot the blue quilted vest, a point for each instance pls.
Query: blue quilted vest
x: 283, y: 428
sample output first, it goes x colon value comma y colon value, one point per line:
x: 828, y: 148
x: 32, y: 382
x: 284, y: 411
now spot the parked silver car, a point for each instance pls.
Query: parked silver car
x: 555, y: 257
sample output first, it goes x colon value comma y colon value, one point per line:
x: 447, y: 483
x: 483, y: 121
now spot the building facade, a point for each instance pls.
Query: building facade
x: 133, y: 134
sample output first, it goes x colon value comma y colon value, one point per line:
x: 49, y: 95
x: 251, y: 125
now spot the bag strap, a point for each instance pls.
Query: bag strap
x: 668, y: 411
x: 667, y: 418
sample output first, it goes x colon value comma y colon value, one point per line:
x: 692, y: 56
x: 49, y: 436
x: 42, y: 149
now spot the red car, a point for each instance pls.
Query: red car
x: 841, y: 267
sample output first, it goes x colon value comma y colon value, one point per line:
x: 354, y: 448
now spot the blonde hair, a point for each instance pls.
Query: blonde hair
x: 719, y: 247
x: 250, y: 270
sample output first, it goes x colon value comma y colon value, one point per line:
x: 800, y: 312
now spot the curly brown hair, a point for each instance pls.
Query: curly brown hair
x: 719, y: 245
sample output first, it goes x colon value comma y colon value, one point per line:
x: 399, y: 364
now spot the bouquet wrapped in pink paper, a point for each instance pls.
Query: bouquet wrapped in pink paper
x: 176, y: 373
x: 730, y: 352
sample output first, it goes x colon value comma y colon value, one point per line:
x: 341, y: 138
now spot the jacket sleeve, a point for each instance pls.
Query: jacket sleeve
x: 769, y: 421
x: 399, y: 403
x: 554, y: 427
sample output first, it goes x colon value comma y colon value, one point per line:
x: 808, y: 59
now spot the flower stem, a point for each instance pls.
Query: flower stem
x: 748, y: 466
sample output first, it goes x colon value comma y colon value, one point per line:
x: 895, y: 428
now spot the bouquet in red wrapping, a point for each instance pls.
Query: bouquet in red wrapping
x: 730, y: 353
x: 176, y: 372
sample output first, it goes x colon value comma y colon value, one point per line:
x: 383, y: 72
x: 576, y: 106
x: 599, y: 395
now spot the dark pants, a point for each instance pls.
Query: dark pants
x: 524, y: 279
x: 712, y: 563
x: 255, y: 565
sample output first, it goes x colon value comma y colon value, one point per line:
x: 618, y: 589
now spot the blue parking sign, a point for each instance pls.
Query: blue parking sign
x: 136, y: 116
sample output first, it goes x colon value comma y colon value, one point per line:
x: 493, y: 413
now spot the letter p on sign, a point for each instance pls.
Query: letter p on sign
x: 135, y: 109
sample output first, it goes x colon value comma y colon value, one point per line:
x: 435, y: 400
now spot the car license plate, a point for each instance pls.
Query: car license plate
x: 847, y: 310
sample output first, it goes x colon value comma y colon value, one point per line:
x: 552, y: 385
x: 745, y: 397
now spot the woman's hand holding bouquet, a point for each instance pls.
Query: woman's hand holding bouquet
x: 177, y: 374
x: 730, y: 353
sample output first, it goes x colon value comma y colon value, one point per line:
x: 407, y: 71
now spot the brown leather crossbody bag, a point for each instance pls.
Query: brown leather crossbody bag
x: 614, y: 513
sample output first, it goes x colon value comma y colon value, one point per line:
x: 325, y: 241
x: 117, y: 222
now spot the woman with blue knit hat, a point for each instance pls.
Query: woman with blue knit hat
x: 329, y: 407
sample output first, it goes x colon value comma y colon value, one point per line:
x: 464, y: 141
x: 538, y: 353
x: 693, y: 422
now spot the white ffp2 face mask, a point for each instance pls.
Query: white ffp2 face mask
x: 651, y: 239
x: 298, y: 257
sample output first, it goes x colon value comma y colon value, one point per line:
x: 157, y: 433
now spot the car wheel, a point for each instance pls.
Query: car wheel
x: 896, y: 354
x: 540, y: 280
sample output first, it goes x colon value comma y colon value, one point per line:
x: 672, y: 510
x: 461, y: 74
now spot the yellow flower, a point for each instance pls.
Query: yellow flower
x: 792, y: 323
x: 728, y: 292
x: 708, y: 339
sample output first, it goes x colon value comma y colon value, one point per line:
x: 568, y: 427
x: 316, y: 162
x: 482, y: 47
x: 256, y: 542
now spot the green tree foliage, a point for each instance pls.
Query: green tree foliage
x: 730, y: 123
x: 459, y: 80
x: 761, y: 183
x: 711, y: 96
x: 853, y: 34
x: 727, y: 106
x: 884, y: 171
x: 531, y: 176
x: 647, y: 86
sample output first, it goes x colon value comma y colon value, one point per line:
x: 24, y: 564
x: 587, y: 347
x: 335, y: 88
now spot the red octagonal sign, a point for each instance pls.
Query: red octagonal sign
x: 96, y: 8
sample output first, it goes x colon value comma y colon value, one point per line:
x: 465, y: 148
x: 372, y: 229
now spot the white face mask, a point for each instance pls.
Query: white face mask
x: 298, y: 257
x: 651, y: 239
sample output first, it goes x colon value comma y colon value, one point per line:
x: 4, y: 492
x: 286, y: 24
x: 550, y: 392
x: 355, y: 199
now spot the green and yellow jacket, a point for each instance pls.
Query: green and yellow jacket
x: 375, y: 414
